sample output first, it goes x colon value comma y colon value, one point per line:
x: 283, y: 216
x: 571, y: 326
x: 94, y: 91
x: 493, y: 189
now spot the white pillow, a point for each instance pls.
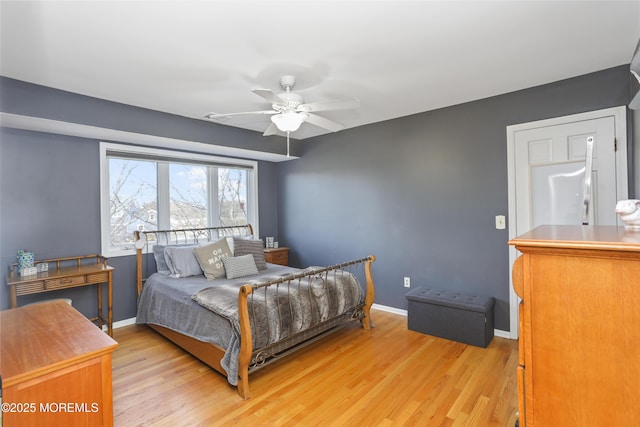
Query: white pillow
x: 182, y: 262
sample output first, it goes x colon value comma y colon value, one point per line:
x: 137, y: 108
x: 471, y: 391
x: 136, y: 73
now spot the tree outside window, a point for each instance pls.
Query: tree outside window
x: 198, y: 196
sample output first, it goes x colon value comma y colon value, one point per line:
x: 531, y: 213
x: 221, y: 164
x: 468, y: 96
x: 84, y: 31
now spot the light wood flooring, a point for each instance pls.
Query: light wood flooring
x: 388, y: 376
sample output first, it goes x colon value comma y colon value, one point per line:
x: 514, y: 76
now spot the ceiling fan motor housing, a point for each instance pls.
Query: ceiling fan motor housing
x: 291, y: 100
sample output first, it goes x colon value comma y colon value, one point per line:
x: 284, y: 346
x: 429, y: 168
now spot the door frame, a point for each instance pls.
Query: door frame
x: 620, y: 123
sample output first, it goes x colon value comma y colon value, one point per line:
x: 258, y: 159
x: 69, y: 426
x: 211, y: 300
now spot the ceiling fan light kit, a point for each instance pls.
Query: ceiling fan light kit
x: 289, y: 121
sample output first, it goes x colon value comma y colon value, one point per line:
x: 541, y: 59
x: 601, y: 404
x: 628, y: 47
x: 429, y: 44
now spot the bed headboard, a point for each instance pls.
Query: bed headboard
x: 144, y: 240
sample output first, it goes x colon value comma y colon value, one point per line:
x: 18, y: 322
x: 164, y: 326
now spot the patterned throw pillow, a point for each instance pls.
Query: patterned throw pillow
x: 240, y: 266
x: 254, y: 247
x: 210, y: 258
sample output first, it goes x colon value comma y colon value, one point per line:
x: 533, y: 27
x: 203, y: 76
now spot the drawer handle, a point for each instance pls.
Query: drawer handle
x: 67, y: 281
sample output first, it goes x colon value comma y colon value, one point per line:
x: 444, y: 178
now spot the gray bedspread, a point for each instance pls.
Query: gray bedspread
x: 167, y: 302
x: 281, y: 311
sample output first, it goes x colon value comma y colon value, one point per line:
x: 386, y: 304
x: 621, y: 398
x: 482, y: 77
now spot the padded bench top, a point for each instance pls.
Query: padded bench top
x: 451, y: 299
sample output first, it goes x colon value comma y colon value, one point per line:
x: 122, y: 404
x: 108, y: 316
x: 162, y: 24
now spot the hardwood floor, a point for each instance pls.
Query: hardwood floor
x: 389, y: 376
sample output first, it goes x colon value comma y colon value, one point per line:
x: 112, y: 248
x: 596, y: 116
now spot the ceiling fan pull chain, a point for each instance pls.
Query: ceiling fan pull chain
x: 288, y: 143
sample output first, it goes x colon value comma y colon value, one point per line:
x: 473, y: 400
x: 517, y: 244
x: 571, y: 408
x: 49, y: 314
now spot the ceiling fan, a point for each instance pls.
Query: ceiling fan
x: 289, y: 110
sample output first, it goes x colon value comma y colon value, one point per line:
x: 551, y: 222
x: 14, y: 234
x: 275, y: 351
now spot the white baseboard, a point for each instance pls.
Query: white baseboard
x: 502, y: 334
x: 496, y: 332
x: 389, y: 309
x: 125, y: 322
x: 121, y: 323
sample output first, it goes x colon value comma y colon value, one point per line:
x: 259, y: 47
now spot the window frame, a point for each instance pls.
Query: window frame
x: 139, y: 152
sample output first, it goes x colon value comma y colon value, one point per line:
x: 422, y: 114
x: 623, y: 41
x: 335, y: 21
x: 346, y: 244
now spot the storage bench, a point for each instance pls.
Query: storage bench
x: 451, y: 315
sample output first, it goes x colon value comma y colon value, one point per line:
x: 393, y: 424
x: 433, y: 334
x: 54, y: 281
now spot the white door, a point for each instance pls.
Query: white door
x: 547, y: 167
x: 550, y: 174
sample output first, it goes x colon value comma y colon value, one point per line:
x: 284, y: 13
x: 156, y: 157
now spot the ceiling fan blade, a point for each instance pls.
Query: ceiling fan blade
x: 224, y: 116
x: 347, y: 104
x: 324, y: 123
x: 271, y: 130
x: 635, y: 60
x: 269, y: 96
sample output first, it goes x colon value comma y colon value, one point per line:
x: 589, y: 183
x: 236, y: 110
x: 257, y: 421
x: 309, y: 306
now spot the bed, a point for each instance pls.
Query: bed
x: 237, y: 321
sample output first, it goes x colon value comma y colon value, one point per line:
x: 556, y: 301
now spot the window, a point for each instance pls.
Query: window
x: 151, y: 189
x: 132, y: 199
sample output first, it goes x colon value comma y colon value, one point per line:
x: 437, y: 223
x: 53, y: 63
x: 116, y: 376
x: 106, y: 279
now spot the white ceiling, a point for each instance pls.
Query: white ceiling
x: 398, y: 57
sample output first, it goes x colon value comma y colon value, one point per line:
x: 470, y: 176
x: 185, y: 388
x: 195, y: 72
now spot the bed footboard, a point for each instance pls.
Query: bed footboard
x: 251, y: 358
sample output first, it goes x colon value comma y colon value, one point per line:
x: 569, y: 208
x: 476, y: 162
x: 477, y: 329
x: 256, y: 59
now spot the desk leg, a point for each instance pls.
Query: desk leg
x: 100, y: 315
x: 110, y: 305
x: 13, y: 296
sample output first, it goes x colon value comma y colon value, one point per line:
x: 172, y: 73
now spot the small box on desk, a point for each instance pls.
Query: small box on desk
x: 28, y: 271
x: 451, y: 315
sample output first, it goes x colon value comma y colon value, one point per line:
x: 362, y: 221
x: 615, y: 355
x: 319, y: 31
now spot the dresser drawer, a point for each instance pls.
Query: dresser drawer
x: 282, y: 258
x: 30, y: 288
x: 65, y: 282
x: 278, y: 256
x: 98, y: 277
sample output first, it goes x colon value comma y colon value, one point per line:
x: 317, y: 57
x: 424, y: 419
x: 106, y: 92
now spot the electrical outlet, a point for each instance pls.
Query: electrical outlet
x: 407, y: 282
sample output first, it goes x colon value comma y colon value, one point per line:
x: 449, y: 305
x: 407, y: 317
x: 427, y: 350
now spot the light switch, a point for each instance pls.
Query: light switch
x: 500, y: 222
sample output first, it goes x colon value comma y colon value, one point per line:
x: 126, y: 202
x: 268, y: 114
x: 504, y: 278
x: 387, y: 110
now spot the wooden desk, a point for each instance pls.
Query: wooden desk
x: 67, y: 273
x: 578, y: 349
x: 277, y: 255
x: 55, y: 367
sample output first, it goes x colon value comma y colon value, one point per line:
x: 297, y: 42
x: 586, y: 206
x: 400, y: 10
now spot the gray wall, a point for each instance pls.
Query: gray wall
x: 40, y: 101
x: 49, y: 184
x: 422, y: 192
x: 50, y: 204
x: 419, y: 192
x: 636, y: 153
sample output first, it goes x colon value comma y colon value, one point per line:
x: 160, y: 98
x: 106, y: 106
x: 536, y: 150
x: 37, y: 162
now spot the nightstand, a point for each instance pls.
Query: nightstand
x: 277, y: 255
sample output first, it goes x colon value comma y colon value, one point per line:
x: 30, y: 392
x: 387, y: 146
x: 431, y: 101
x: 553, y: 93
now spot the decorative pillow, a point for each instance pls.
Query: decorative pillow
x: 254, y: 247
x: 230, y: 240
x: 158, y: 255
x: 240, y: 266
x: 181, y: 261
x: 230, y: 243
x: 210, y: 258
x: 161, y: 264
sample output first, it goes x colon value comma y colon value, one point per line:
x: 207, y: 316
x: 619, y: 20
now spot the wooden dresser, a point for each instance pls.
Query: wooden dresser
x: 579, y: 346
x: 55, y: 367
x: 277, y: 255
